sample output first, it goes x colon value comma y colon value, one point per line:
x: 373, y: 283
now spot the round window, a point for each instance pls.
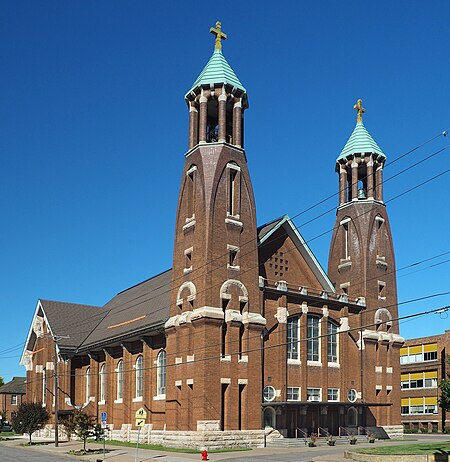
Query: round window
x: 352, y: 395
x: 269, y: 393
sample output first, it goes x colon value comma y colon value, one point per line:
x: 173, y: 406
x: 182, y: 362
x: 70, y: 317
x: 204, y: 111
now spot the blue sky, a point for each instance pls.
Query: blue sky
x: 94, y: 131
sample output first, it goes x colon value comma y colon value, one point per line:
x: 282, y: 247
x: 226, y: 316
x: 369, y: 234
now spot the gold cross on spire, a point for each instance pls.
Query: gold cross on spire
x: 217, y: 31
x: 360, y: 110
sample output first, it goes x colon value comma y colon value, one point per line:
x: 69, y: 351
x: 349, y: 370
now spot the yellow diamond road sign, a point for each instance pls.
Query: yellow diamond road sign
x: 141, y: 414
x: 140, y: 422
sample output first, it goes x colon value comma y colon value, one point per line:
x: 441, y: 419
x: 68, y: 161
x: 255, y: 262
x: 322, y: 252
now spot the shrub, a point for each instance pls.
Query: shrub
x: 411, y: 430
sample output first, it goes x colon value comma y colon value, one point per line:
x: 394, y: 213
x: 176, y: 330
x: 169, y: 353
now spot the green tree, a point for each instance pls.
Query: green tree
x: 68, y: 425
x: 29, y: 418
x: 98, y: 432
x: 2, y: 382
x: 83, y: 426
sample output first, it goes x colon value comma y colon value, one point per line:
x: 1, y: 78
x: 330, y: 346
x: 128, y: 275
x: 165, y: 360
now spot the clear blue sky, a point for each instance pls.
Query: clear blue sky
x: 94, y: 131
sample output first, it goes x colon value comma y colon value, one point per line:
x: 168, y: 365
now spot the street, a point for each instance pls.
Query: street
x: 17, y: 454
x: 10, y: 451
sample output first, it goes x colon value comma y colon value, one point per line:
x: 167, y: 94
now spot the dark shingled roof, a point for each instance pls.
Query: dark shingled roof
x: 139, y: 308
x: 263, y: 230
x: 15, y: 387
x: 71, y: 320
x: 143, y: 306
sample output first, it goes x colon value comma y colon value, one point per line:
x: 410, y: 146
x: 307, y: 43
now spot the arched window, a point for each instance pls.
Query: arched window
x: 190, y: 191
x: 345, y: 223
x: 332, y: 341
x: 313, y: 338
x: 139, y: 376
x: 269, y: 417
x: 293, y: 338
x: 352, y: 417
x: 103, y: 382
x: 233, y: 187
x: 161, y: 373
x: 120, y: 380
x: 88, y: 383
x: 380, y: 236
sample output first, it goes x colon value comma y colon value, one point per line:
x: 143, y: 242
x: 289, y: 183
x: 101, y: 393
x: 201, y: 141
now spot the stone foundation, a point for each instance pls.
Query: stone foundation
x: 192, y: 440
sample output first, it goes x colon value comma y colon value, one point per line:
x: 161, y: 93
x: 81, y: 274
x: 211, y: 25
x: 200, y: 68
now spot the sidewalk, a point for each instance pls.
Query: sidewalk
x: 122, y: 453
x: 127, y: 454
x: 113, y: 453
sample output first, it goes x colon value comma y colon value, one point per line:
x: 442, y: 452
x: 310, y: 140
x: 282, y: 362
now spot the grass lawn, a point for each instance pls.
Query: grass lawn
x: 159, y: 447
x: 407, y: 449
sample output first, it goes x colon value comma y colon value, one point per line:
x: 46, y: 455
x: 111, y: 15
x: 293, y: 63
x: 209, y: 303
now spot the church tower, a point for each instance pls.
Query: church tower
x: 213, y: 333
x: 362, y: 264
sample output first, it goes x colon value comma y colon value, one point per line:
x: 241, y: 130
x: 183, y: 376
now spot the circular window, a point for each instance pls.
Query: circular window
x: 352, y: 395
x: 269, y: 393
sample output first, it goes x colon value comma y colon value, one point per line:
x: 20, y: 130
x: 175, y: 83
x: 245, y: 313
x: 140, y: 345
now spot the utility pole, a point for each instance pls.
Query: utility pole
x: 55, y: 382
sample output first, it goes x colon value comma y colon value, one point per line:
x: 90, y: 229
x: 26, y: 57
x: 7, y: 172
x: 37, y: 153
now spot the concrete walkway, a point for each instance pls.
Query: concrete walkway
x: 127, y: 454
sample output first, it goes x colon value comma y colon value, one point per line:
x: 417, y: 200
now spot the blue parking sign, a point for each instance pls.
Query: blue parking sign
x: 103, y: 416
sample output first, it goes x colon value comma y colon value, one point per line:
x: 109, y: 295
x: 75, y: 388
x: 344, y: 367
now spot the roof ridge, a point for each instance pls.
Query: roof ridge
x: 69, y: 303
x: 144, y: 281
x: 273, y: 221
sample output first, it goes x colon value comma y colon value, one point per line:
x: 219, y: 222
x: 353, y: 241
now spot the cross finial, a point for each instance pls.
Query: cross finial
x: 217, y: 31
x: 360, y: 110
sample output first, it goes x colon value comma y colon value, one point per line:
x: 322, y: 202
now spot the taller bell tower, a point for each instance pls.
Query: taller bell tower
x: 213, y: 334
x: 362, y: 264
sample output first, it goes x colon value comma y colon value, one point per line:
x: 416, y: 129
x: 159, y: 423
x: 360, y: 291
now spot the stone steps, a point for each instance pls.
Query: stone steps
x: 301, y: 442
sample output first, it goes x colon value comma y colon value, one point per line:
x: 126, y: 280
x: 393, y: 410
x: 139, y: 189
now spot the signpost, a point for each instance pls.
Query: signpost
x: 141, y: 416
x: 104, y: 436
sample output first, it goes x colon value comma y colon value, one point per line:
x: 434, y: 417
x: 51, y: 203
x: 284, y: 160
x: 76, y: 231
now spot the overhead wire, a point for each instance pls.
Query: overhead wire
x: 360, y: 328
x: 102, y: 315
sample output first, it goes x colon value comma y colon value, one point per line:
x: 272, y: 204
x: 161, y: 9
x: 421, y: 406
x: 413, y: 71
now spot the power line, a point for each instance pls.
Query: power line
x: 103, y: 315
x: 416, y: 263
x: 426, y: 297
x: 360, y: 328
x: 15, y: 347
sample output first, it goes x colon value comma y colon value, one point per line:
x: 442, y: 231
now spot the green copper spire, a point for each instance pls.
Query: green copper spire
x: 217, y: 70
x: 360, y: 140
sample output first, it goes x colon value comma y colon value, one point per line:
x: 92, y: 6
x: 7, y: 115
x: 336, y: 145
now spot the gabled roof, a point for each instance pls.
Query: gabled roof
x: 360, y: 142
x: 70, y: 321
x: 143, y: 306
x: 217, y: 71
x: 15, y: 387
x: 265, y: 231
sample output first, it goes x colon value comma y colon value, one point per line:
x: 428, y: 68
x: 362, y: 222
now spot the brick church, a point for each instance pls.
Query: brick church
x: 246, y: 335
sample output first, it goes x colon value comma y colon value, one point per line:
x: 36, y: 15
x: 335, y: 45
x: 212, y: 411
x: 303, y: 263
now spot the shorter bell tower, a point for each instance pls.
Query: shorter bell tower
x: 362, y: 264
